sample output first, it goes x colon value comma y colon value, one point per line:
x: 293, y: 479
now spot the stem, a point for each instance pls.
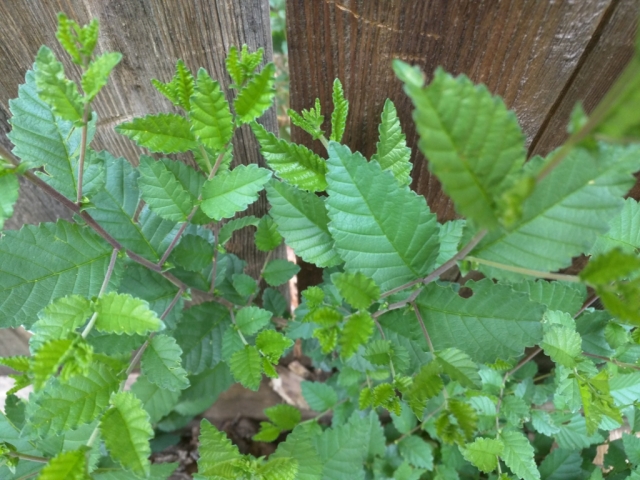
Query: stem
x: 103, y: 288
x: 586, y: 305
x: 233, y: 320
x: 204, y: 154
x: 214, y: 267
x: 83, y: 151
x: 93, y: 437
x: 424, y: 328
x: 614, y: 361
x: 264, y: 266
x: 324, y: 142
x: 419, y: 426
x: 31, y: 458
x: 526, y: 271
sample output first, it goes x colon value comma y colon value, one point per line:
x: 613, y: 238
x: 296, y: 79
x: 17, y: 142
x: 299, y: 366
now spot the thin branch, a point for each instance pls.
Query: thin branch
x: 526, y: 271
x: 31, y: 458
x: 83, y: 151
x: 103, y: 288
x: 176, y: 239
x: 424, y: 328
x: 586, y: 305
x: 214, y: 266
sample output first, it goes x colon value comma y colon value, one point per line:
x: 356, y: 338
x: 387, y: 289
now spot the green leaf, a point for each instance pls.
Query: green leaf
x: 518, y: 455
x: 274, y: 301
x: 392, y: 152
x: 251, y: 320
x: 58, y: 319
x: 284, y: 416
x: 40, y: 263
x: 499, y: 323
x: 632, y: 448
x: 218, y: 456
x: 96, y: 76
x: 232, y: 192
x: 340, y: 111
x: 56, y: 142
x: 417, y: 452
x: 375, y: 224
x: 70, y: 465
x: 161, y: 363
x: 555, y: 226
x: 8, y: 196
x: 267, y: 236
x: 66, y: 37
x: 193, y: 253
x: 116, y: 206
x: 126, y: 431
x: 244, y: 284
x: 357, y: 331
x: 341, y: 451
x: 484, y: 453
x: 161, y: 190
x: 181, y: 87
x: 241, y: 65
x: 426, y: 385
x: 278, y: 271
x: 200, y: 336
x: 210, y: 116
x: 272, y: 344
x: 556, y: 295
x: 163, y: 133
x: 299, y: 445
x: 66, y: 406
x: 457, y: 423
x: 46, y: 362
x: 563, y: 345
x: 88, y: 37
x: 459, y: 367
x: 624, y: 231
x: 246, y: 367
x: 256, y: 97
x: 295, y: 164
x: 55, y: 89
x: 561, y: 464
x: 278, y: 469
x: 268, y: 433
x: 157, y: 401
x: 319, y: 396
x: 302, y: 220
x: 357, y: 289
x: 234, y: 225
x: 473, y: 143
x: 449, y: 235
x: 122, y: 313
x: 205, y: 389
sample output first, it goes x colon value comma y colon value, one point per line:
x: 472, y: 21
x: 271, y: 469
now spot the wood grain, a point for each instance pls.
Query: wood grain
x: 152, y: 35
x: 539, y: 56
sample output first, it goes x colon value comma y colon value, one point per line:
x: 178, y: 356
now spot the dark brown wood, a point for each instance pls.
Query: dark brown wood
x: 540, y: 56
x: 151, y: 35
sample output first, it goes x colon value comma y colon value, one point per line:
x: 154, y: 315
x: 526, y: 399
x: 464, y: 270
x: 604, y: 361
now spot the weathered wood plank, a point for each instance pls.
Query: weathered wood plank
x: 528, y: 52
x: 152, y: 35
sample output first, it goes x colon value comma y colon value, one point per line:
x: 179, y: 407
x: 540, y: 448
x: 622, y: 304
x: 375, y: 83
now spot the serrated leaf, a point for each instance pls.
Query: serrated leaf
x: 232, y: 192
x: 246, y: 367
x: 157, y: 401
x: 555, y: 226
x: 284, y: 416
x: 459, y: 367
x: 426, y: 384
x: 272, y: 344
x: 252, y: 319
x: 499, y: 323
x: 295, y: 164
x: 457, y: 423
x: 161, y: 363
x: 88, y: 37
x: 319, y: 396
x: 267, y: 237
x: 417, y: 452
x: 561, y: 464
x: 200, y: 336
x: 543, y: 423
x: 66, y: 406
x: 233, y: 225
x: 302, y: 220
x: 234, y: 69
x: 66, y: 37
x: 210, y: 116
x: 341, y: 451
x: 356, y: 288
x: 218, y: 456
x: 340, y: 111
x: 116, y: 206
x: 122, y: 313
x: 563, y: 345
x: 379, y: 352
x: 8, y: 196
x: 632, y: 448
x: 375, y: 224
x: 244, y: 284
x: 556, y: 295
x: 161, y: 190
x: 97, y: 74
x: 449, y: 235
x: 268, y: 433
x: 392, y: 152
x: 357, y: 331
x: 299, y: 445
x: 193, y: 253
x: 279, y: 271
x: 66, y: 465
x: 624, y: 231
x: 256, y: 97
x: 518, y: 455
x: 274, y: 301
x: 40, y: 263
x: 384, y: 395
x: 161, y: 133
x: 47, y: 360
x: 180, y: 89
x: 126, y: 431
x: 473, y: 143
x: 58, y: 319
x: 278, y: 469
x: 55, y: 89
x: 483, y: 453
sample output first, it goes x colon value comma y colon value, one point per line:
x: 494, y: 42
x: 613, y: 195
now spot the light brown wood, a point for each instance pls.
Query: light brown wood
x: 152, y: 35
x: 540, y: 56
